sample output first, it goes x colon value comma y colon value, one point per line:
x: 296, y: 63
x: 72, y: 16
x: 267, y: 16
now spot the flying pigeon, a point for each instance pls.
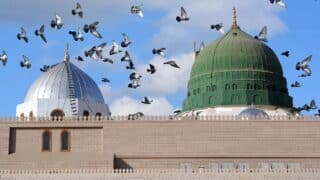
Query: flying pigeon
x: 280, y: 3
x: 152, y: 69
x: 45, y: 68
x: 23, y: 35
x: 296, y: 84
x: 126, y: 57
x: 313, y: 104
x: 105, y: 80
x: 177, y: 111
x: 201, y: 47
x: 146, y: 101
x: 40, y: 32
x: 131, y: 66
x: 160, y: 51
x: 218, y: 27
x: 79, y: 58
x: 135, y: 116
x: 262, y: 35
x: 90, y: 52
x: 108, y: 60
x: 4, y: 58
x: 125, y: 42
x: 77, y: 10
x: 77, y: 35
x: 135, y: 76
x: 318, y: 114
x: 183, y: 16
x: 285, y: 53
x: 114, y: 49
x: 99, y: 50
x: 25, y: 62
x: 93, y: 29
x: 134, y: 84
x: 57, y: 22
x: 303, y: 108
x: 172, y: 63
x: 137, y: 10
x: 304, y: 66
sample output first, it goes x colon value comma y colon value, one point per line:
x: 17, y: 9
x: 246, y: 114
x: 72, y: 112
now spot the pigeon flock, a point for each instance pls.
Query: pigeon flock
x: 96, y: 52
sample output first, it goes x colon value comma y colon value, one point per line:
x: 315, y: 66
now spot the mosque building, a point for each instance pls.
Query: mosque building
x: 237, y: 122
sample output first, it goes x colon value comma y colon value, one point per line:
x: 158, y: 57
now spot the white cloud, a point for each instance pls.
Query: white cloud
x: 127, y: 105
x: 166, y: 80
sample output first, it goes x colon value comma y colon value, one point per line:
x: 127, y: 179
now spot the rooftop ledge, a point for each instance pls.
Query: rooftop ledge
x: 157, y: 118
x: 195, y: 171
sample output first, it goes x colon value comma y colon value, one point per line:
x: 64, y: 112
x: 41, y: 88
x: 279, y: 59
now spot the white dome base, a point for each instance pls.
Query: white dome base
x: 44, y: 108
x: 235, y: 111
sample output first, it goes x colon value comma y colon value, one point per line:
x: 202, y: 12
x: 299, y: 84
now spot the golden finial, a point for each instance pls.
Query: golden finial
x: 234, y: 25
x: 66, y: 54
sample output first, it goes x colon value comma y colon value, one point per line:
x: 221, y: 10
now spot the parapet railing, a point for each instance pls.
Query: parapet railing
x: 157, y: 171
x: 158, y: 118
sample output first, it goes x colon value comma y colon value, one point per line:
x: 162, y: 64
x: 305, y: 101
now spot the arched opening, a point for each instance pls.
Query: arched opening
x: 57, y: 113
x: 98, y: 115
x: 30, y: 115
x: 46, y: 141
x: 22, y: 116
x: 65, y: 141
x: 85, y: 113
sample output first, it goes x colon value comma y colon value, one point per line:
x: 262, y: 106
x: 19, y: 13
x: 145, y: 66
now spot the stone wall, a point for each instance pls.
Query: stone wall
x: 163, y: 142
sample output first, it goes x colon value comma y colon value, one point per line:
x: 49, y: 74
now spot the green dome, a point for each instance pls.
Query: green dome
x: 236, y: 70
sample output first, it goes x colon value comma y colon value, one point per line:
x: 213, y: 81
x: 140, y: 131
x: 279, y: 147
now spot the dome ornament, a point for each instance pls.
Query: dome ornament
x: 66, y: 54
x: 234, y: 25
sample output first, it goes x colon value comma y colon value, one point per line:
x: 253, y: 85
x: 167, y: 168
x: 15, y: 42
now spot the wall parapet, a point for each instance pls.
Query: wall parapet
x: 158, y: 118
x: 160, y: 171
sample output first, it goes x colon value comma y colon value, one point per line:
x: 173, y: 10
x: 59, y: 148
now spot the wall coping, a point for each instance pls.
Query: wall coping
x: 159, y: 171
x: 158, y: 118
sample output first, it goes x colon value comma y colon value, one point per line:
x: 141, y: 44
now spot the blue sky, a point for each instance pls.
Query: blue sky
x: 295, y: 28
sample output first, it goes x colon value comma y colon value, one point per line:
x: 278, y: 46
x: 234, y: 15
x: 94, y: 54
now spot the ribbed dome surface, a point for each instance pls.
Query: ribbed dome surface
x: 236, y: 70
x: 236, y: 50
x: 53, y: 84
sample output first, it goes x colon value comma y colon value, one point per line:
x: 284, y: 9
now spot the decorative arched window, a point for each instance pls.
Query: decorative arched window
x: 213, y: 87
x: 46, y: 141
x: 227, y: 87
x: 234, y: 86
x: 65, y: 141
x: 208, y: 88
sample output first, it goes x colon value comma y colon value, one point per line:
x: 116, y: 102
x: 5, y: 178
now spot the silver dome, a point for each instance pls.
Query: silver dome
x: 53, y: 84
x: 253, y: 112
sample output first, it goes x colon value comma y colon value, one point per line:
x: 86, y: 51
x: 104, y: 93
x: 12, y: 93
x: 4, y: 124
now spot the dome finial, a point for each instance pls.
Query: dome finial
x: 234, y: 25
x: 66, y: 54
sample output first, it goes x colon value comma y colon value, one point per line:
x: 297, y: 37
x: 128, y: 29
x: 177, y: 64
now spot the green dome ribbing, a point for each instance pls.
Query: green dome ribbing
x: 236, y: 70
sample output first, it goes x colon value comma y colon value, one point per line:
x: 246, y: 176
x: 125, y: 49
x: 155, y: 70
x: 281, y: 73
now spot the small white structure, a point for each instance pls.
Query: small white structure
x: 64, y: 90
